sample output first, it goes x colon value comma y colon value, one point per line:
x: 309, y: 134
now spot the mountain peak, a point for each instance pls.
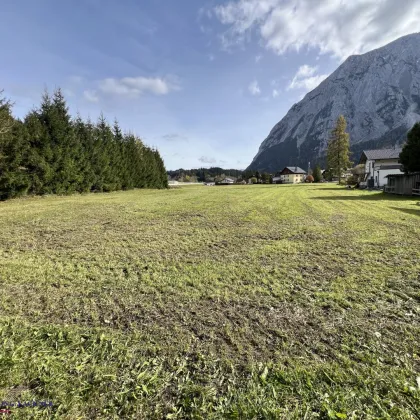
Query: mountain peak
x: 379, y: 94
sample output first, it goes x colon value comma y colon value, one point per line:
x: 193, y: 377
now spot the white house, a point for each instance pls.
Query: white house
x: 292, y: 175
x: 378, y: 165
x: 228, y: 181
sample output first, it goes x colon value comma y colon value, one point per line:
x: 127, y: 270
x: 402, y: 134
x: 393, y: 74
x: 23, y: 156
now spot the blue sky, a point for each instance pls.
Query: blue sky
x: 203, y: 81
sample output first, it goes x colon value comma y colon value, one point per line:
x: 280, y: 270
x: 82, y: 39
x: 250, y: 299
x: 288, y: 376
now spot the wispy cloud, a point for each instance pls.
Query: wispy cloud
x: 254, y: 88
x: 306, y: 78
x: 136, y: 86
x: 172, y: 137
x: 258, y: 58
x: 276, y: 93
x: 207, y: 160
x: 91, y: 95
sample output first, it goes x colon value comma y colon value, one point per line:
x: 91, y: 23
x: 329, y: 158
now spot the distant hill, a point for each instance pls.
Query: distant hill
x: 378, y: 93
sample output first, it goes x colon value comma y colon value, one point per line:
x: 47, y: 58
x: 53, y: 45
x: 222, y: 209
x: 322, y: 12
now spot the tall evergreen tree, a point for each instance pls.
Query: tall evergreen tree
x: 14, y: 180
x: 103, y: 144
x: 6, y: 118
x: 85, y: 146
x: 68, y: 177
x: 118, y: 157
x: 317, y: 174
x: 49, y: 152
x: 410, y: 155
x: 339, y: 149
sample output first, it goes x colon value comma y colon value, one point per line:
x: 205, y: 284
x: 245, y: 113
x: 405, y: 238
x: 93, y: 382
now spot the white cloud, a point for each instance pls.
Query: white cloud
x: 254, y: 88
x: 337, y: 27
x: 136, y: 86
x: 275, y: 93
x: 90, y: 95
x: 306, y: 78
x: 258, y: 58
x: 306, y: 71
x: 211, y: 57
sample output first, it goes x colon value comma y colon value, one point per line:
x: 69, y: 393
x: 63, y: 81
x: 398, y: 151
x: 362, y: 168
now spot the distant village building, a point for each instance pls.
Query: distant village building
x: 277, y: 179
x: 378, y: 165
x: 292, y: 175
x: 227, y: 181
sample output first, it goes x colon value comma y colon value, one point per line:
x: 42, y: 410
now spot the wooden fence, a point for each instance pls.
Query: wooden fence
x: 404, y: 184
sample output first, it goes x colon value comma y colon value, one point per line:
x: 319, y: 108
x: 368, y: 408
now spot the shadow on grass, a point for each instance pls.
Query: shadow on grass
x: 414, y: 212
x: 365, y: 197
x: 338, y: 187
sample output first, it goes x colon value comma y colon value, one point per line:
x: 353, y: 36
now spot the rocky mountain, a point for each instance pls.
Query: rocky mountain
x: 378, y: 93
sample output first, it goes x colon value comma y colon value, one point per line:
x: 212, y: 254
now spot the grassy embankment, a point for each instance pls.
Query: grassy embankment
x: 233, y: 302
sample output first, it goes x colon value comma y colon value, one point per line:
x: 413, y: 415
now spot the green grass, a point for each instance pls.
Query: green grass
x: 248, y: 302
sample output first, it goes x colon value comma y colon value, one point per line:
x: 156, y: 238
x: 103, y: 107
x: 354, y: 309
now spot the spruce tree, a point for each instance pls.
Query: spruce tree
x: 118, y: 157
x: 84, y: 139
x: 410, y: 155
x: 41, y: 159
x: 317, y: 174
x: 68, y: 177
x: 103, y: 139
x: 14, y: 180
x: 339, y: 149
x: 49, y: 152
x: 6, y: 118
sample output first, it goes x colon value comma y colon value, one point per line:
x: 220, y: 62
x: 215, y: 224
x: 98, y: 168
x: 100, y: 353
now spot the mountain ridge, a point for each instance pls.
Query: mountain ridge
x: 379, y: 94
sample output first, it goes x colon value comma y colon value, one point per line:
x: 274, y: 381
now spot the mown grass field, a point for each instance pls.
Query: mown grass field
x: 242, y: 302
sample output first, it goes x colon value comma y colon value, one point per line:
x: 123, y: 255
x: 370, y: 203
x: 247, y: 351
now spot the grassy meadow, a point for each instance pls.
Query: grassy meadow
x: 239, y: 302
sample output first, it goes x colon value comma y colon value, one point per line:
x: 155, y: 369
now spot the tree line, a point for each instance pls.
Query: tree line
x: 203, y: 174
x: 50, y: 152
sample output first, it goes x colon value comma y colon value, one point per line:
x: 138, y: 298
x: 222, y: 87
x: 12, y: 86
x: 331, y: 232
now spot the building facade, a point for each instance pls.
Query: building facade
x: 292, y: 175
x: 378, y: 165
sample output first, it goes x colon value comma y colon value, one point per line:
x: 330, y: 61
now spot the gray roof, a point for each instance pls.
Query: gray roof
x: 295, y: 169
x: 382, y: 153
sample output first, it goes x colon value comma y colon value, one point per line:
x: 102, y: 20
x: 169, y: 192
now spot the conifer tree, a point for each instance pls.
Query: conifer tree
x: 49, y: 152
x: 118, y: 157
x: 84, y: 138
x: 410, y: 155
x: 339, y: 149
x: 68, y: 176
x: 14, y: 180
x: 317, y: 174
